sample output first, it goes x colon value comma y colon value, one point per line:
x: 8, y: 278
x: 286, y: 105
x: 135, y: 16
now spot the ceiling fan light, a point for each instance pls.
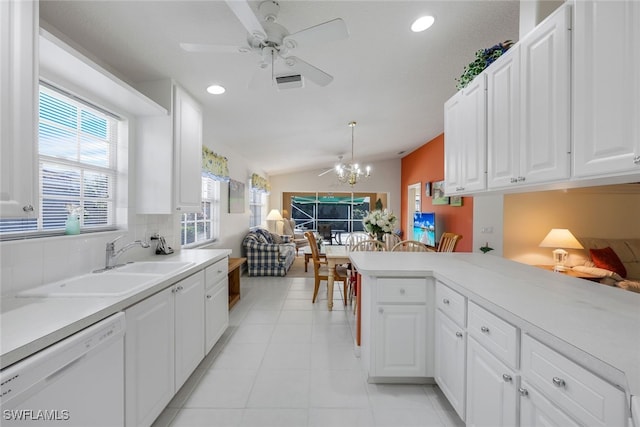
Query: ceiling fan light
x: 216, y: 90
x: 422, y: 23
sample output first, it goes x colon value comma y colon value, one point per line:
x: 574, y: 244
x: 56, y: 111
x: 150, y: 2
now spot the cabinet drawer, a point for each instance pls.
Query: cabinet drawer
x: 496, y: 335
x: 585, y: 396
x: 215, y: 272
x: 451, y: 303
x: 402, y: 290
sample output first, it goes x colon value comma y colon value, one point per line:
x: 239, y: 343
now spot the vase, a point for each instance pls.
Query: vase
x: 380, y: 236
x: 72, y: 225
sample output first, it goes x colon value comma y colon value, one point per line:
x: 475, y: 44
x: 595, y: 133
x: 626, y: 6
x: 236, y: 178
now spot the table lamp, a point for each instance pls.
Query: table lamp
x: 560, y: 238
x: 272, y: 220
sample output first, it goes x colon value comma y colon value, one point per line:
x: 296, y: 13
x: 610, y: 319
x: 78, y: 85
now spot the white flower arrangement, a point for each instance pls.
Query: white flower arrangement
x: 379, y: 222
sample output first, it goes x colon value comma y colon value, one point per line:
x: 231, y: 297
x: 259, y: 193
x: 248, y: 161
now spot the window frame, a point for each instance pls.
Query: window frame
x: 211, y: 194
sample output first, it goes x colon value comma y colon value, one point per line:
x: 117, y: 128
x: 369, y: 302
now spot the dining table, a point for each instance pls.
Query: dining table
x: 336, y: 255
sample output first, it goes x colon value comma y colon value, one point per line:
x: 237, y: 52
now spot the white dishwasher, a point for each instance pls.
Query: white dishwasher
x: 78, y: 381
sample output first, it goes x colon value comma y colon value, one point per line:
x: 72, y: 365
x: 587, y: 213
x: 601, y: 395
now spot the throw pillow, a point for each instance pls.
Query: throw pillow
x: 606, y: 258
x: 276, y: 238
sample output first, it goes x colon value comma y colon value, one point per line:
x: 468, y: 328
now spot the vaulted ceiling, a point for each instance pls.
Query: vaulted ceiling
x: 391, y: 81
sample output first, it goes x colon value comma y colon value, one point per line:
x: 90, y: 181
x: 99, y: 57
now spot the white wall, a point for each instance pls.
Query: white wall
x: 385, y: 178
x: 233, y: 226
x: 488, y: 222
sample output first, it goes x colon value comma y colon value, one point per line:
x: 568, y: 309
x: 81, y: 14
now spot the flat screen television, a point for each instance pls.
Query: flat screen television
x: 424, y: 228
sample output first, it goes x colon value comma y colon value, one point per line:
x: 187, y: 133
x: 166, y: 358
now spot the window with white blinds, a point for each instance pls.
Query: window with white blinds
x: 197, y: 228
x: 77, y: 165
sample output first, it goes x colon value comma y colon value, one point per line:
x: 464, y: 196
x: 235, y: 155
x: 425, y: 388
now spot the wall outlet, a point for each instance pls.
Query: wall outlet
x: 486, y: 230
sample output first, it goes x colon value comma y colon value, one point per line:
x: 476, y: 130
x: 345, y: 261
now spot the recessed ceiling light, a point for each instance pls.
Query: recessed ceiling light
x: 422, y: 23
x: 216, y: 89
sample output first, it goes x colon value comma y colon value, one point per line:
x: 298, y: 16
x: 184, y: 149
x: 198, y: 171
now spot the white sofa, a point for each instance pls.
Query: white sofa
x: 628, y: 250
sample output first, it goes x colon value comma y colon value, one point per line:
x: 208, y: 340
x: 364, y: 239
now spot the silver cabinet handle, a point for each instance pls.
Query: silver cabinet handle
x: 507, y: 378
x: 445, y: 301
x: 459, y: 334
x: 636, y: 160
x: 513, y: 180
x: 209, y: 296
x: 558, y: 382
x: 521, y: 178
x: 28, y: 208
x: 484, y: 329
x: 402, y: 291
x: 523, y: 391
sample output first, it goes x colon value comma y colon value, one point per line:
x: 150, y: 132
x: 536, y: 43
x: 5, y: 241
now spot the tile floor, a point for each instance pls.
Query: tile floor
x: 286, y: 362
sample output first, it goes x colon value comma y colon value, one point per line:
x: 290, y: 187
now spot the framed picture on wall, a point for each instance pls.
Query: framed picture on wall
x: 427, y: 189
x: 236, y: 196
x: 438, y: 197
x: 455, y: 201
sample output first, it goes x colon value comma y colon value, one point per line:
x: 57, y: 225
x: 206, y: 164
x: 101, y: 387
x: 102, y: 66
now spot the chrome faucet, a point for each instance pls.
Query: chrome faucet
x: 112, y: 255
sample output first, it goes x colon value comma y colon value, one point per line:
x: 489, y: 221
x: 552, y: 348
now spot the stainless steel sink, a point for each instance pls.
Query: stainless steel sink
x: 154, y: 267
x: 110, y: 284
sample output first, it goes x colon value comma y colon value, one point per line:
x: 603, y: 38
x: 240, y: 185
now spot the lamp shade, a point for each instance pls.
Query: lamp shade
x: 274, y: 215
x: 560, y: 238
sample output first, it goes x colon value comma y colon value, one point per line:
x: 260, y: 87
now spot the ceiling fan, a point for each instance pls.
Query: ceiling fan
x: 271, y: 41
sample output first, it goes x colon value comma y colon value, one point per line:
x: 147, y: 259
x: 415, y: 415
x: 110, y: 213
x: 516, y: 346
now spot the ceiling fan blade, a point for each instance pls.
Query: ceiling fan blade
x: 326, y: 172
x: 328, y: 31
x: 249, y: 20
x: 308, y: 71
x: 215, y: 48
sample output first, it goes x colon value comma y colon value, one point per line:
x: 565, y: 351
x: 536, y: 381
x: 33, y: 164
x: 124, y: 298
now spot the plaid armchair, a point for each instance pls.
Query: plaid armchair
x: 265, y: 255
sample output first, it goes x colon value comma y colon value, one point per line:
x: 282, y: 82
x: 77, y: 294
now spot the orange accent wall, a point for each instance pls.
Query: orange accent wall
x: 426, y: 164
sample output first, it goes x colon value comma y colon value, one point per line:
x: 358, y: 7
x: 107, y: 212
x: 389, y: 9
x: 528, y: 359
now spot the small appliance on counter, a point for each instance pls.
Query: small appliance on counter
x: 162, y: 248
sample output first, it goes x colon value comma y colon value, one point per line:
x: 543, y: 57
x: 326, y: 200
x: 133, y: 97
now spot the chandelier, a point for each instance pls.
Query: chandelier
x: 350, y: 173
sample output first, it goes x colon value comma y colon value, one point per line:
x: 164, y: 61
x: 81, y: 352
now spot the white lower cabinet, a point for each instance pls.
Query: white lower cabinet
x: 163, y: 345
x: 491, y: 389
x: 149, y: 358
x: 400, y: 343
x: 216, y: 303
x: 536, y: 410
x: 189, y: 326
x: 397, y: 328
x: 450, y: 367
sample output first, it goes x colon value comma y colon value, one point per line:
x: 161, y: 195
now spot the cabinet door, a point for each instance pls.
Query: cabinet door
x: 606, y: 93
x: 149, y: 358
x: 465, y: 139
x: 216, y: 313
x: 473, y: 145
x: 189, y: 325
x: 503, y: 120
x: 491, y: 389
x: 536, y: 410
x: 453, y: 142
x: 545, y: 100
x: 188, y: 152
x: 450, y: 366
x: 18, y: 108
x: 400, y: 344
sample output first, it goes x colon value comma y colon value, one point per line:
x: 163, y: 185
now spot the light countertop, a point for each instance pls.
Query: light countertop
x: 595, y: 325
x: 28, y: 325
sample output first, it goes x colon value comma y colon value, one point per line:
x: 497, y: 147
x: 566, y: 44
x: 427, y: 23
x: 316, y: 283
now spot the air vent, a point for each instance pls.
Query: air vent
x: 289, y: 82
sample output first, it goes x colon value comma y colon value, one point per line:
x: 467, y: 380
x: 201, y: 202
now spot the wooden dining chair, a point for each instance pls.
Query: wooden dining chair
x: 321, y: 270
x: 410, y: 246
x: 355, y: 238
x: 448, y: 242
x: 369, y: 245
x: 390, y: 240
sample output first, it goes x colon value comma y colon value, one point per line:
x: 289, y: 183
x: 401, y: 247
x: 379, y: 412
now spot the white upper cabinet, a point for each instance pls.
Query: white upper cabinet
x: 529, y: 111
x: 465, y: 125
x: 503, y: 119
x: 18, y: 108
x: 169, y: 153
x: 606, y: 88
x: 545, y: 138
